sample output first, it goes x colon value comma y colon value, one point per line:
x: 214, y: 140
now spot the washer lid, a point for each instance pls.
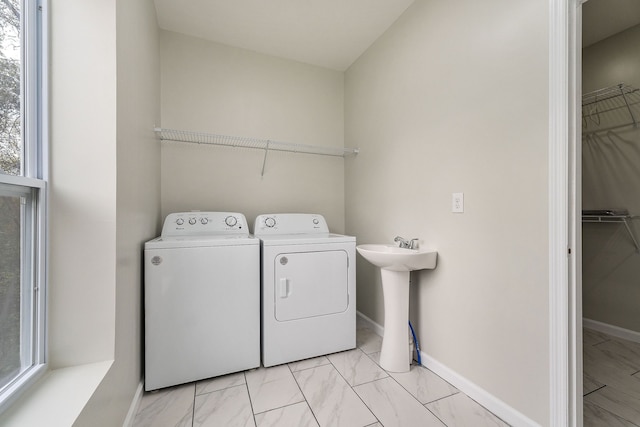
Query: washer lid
x: 199, y: 241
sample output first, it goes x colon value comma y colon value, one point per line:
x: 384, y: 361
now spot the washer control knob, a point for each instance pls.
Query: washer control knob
x: 192, y: 221
x: 270, y: 222
x: 204, y: 221
x: 180, y: 221
x: 315, y: 221
x: 231, y: 221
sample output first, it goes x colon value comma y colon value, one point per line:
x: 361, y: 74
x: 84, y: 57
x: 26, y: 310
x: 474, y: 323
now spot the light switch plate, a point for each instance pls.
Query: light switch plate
x: 457, y: 202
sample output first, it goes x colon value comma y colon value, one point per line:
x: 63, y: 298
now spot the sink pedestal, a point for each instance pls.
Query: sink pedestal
x: 395, y: 264
x: 394, y: 356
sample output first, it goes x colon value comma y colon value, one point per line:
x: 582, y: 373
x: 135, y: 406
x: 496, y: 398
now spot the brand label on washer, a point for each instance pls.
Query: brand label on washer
x: 284, y: 260
x: 156, y: 260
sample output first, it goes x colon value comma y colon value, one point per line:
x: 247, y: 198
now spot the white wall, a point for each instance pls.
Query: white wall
x: 105, y: 194
x: 82, y: 244
x: 611, y: 266
x: 454, y: 98
x: 214, y: 88
x: 137, y: 201
x: 611, y: 61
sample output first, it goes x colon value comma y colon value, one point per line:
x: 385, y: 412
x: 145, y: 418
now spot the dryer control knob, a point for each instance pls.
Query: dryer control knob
x: 270, y: 222
x: 204, y: 221
x: 231, y: 221
x: 180, y: 221
x: 192, y: 221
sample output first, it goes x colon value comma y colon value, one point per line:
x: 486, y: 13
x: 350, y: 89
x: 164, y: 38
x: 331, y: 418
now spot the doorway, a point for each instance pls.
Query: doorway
x: 608, y: 151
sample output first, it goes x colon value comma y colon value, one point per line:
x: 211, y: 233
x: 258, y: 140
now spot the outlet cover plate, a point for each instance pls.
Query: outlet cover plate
x: 457, y: 202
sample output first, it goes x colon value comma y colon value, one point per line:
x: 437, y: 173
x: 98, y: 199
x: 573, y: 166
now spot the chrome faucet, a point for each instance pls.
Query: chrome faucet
x: 408, y: 244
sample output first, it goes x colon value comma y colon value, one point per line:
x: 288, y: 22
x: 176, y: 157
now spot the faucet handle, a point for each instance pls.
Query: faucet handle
x: 408, y: 244
x: 402, y: 243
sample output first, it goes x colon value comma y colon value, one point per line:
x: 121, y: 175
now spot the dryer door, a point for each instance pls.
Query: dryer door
x: 309, y: 284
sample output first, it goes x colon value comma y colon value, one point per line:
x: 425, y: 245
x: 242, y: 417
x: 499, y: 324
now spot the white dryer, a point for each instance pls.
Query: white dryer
x: 201, y: 299
x: 308, y: 288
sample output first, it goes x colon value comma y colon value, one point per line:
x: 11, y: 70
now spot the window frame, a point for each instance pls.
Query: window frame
x: 32, y: 185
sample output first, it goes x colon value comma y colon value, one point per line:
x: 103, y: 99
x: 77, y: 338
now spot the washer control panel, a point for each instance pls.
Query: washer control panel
x: 269, y: 224
x: 205, y: 223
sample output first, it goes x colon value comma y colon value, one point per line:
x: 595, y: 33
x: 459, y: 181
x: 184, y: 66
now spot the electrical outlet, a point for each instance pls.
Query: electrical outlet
x: 457, y: 202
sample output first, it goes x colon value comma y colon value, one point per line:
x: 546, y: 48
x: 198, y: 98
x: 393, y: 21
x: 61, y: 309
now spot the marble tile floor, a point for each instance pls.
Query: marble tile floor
x: 347, y: 389
x: 611, y: 380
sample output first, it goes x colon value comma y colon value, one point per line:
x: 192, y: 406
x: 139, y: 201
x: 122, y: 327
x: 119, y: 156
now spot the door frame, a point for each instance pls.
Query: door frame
x: 565, y: 225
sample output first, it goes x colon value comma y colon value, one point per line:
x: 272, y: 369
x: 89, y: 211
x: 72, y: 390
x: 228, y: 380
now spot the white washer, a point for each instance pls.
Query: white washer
x: 308, y: 288
x: 201, y: 298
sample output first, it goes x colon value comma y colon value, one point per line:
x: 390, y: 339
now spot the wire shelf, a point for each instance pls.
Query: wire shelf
x: 612, y: 216
x: 614, y: 106
x: 607, y: 93
x: 243, y: 142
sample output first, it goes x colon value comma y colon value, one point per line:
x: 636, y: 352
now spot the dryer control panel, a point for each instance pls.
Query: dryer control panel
x: 270, y: 224
x: 205, y: 223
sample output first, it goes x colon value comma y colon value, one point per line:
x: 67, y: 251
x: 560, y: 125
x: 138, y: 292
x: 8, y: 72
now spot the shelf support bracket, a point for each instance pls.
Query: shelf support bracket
x: 626, y: 101
x: 264, y: 160
x: 614, y: 219
x: 633, y: 237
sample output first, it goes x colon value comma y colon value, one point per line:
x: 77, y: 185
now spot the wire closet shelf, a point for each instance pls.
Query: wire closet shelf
x: 620, y: 216
x: 255, y: 143
x: 616, y: 106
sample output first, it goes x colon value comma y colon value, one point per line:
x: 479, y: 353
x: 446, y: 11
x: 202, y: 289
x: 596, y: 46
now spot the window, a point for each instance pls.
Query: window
x: 22, y: 195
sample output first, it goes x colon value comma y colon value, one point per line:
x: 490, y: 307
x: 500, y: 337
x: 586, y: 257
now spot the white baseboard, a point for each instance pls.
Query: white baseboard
x: 135, y: 403
x: 480, y: 395
x: 616, y: 331
x: 489, y: 401
x: 371, y: 324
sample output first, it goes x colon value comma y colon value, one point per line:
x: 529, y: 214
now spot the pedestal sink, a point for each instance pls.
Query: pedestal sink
x: 396, y: 264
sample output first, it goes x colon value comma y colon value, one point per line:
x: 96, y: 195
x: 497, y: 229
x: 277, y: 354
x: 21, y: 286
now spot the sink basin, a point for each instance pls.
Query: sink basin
x: 395, y: 266
x: 390, y: 257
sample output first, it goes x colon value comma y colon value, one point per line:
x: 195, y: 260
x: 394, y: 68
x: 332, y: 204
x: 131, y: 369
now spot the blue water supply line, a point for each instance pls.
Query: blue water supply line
x: 415, y: 340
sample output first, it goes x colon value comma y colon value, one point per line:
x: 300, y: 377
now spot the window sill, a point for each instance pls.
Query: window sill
x: 58, y: 398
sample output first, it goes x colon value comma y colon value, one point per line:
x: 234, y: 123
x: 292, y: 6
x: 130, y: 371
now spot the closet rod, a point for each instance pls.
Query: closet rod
x: 243, y: 142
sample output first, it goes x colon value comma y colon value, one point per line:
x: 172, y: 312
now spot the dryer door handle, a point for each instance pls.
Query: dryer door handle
x: 284, y: 287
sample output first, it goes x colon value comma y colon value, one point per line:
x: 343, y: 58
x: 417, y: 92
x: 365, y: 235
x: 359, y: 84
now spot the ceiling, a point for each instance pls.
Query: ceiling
x: 326, y: 33
x: 333, y: 33
x: 604, y: 18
